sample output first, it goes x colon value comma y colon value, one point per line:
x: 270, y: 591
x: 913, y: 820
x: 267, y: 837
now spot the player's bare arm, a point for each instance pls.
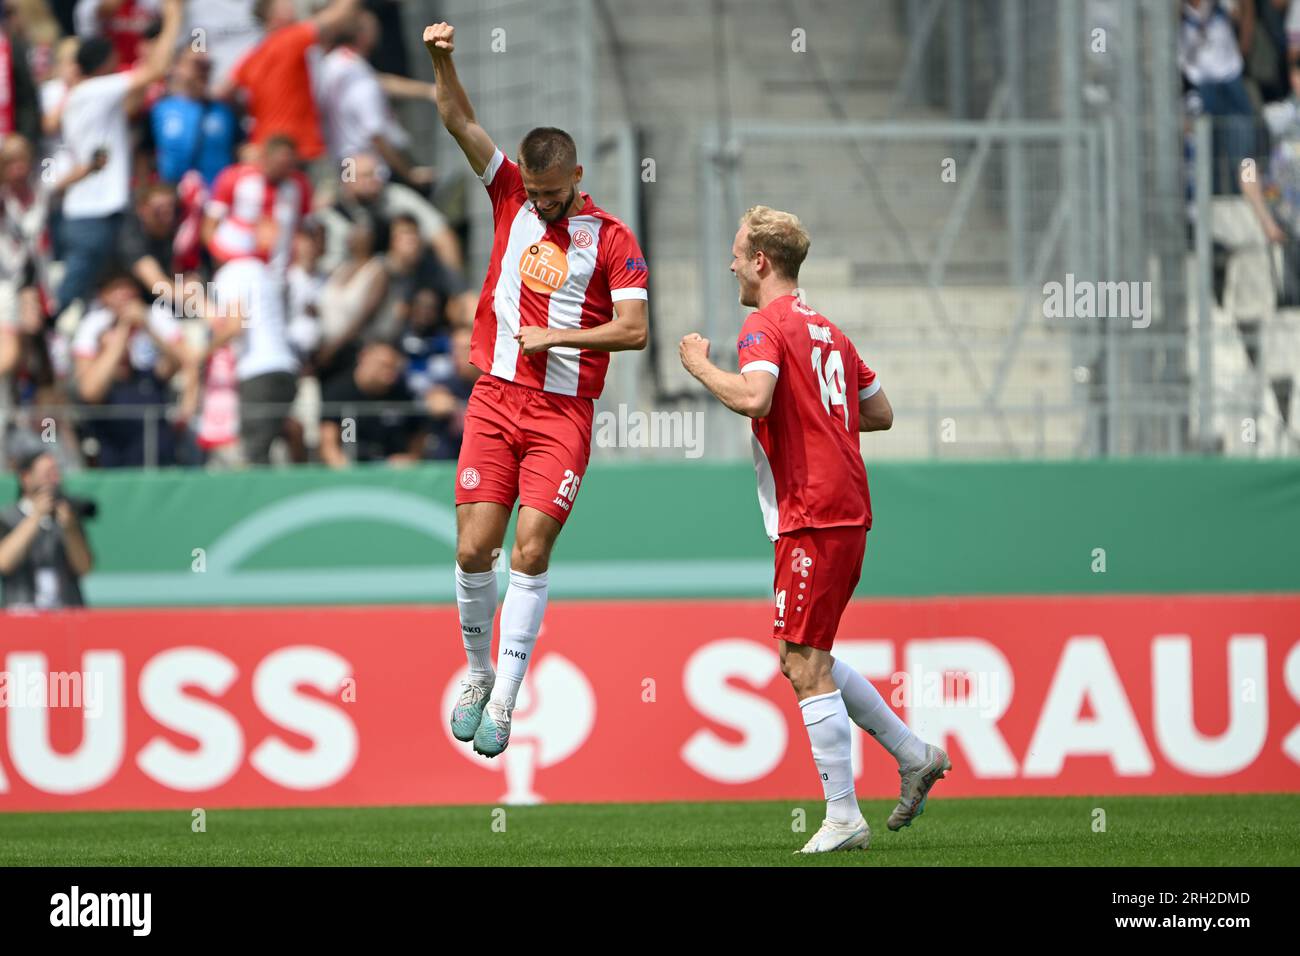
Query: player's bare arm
x: 746, y: 393
x: 405, y: 88
x: 629, y: 331
x: 453, y: 102
x: 875, y: 414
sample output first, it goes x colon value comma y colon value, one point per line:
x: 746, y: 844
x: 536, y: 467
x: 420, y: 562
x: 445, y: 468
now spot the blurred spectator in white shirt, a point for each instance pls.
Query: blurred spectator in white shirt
x: 1210, y: 57
x: 95, y: 124
x: 306, y: 284
x: 349, y: 302
x: 356, y: 116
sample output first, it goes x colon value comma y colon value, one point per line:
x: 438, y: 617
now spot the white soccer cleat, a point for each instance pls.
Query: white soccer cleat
x: 916, y: 784
x: 839, y: 836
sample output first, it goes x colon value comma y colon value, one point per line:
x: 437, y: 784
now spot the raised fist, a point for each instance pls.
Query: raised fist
x: 440, y: 39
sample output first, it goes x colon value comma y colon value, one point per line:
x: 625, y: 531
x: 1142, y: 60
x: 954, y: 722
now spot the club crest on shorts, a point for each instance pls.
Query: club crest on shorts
x: 469, y: 478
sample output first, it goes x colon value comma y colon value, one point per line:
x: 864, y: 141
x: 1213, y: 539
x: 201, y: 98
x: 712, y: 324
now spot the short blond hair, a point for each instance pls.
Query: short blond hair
x: 778, y: 235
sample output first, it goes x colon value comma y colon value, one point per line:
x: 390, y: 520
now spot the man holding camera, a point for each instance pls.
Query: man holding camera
x: 125, y: 352
x: 43, y: 550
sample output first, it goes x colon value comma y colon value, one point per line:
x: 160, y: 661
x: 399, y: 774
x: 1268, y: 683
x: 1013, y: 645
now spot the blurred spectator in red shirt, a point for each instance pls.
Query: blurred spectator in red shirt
x: 275, y: 76
x: 122, y: 23
x: 20, y: 107
x: 255, y: 207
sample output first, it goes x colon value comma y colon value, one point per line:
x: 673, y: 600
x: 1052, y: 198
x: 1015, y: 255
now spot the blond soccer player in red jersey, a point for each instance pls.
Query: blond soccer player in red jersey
x: 565, y: 287
x: 809, y: 395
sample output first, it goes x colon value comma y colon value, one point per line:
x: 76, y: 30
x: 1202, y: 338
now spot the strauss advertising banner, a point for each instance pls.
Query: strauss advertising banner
x: 642, y: 701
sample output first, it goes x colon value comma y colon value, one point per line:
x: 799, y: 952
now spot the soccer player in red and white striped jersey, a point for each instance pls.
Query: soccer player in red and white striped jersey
x: 566, y: 285
x: 809, y: 395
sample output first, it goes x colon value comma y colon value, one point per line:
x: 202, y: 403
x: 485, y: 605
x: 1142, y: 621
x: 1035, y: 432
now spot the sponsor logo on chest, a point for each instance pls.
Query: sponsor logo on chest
x: 545, y: 267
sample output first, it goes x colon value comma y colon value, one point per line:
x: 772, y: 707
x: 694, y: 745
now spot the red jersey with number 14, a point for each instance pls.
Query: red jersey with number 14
x: 806, y: 454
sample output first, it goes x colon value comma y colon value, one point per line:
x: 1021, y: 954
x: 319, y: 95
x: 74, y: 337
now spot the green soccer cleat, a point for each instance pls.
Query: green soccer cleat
x: 493, y: 734
x: 467, y: 713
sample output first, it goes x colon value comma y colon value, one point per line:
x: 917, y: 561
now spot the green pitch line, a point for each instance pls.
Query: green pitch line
x: 1259, y: 830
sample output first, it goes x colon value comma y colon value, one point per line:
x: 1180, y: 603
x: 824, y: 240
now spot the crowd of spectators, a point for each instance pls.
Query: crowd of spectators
x: 216, y: 246
x: 1240, y: 63
x: 1238, y: 60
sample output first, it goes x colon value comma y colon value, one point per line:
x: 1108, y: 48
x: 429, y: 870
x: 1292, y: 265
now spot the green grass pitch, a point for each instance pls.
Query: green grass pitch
x: 1258, y: 830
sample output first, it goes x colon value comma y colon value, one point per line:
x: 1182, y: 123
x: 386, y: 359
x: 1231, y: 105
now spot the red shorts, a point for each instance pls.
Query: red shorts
x: 816, y: 572
x: 526, y: 444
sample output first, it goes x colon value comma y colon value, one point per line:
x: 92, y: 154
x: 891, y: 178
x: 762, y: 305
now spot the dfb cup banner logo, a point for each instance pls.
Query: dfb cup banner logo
x: 544, y: 267
x: 469, y: 478
x: 553, y: 718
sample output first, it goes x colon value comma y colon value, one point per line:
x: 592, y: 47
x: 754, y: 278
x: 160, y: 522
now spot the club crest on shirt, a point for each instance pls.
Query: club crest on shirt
x: 582, y: 238
x: 543, y: 267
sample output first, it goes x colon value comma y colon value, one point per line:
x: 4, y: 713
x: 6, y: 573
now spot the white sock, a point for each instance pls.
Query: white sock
x: 870, y: 712
x: 521, y: 619
x: 828, y: 732
x: 476, y: 597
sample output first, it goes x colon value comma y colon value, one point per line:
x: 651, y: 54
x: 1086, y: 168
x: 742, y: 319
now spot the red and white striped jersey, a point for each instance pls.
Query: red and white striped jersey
x: 566, y: 275
x: 806, y: 452
x: 242, y: 198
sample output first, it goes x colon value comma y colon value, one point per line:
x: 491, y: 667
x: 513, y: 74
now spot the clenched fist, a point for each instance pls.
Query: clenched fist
x: 533, y: 339
x: 439, y: 39
x: 694, y: 352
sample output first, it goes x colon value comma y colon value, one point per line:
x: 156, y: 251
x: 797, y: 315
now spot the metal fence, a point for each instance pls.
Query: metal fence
x: 70, y: 429
x: 951, y: 234
x: 1245, y: 288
